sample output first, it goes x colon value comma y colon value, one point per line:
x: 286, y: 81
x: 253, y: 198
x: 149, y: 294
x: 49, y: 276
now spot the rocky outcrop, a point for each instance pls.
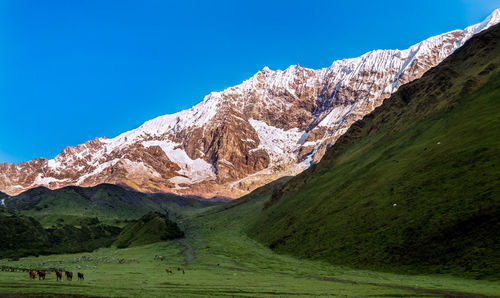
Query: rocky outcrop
x: 276, y: 123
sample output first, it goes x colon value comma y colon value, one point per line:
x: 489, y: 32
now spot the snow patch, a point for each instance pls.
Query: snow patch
x: 336, y: 116
x: 196, y: 170
x: 180, y: 180
x: 310, y: 143
x: 53, y: 164
x: 280, y: 144
x: 97, y: 170
x: 41, y: 180
x: 140, y: 168
x: 308, y: 161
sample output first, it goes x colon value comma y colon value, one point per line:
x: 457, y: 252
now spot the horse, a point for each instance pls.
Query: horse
x: 161, y: 258
x: 58, y: 275
x: 32, y: 274
x: 80, y: 276
x: 69, y: 275
x: 41, y: 274
x: 169, y: 271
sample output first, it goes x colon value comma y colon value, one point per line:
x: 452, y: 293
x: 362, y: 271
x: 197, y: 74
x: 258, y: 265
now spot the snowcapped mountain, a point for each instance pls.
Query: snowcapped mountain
x: 276, y: 123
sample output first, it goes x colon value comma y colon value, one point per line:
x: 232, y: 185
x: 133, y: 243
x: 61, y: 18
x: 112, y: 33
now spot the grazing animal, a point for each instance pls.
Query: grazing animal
x: 69, y: 275
x: 32, y: 274
x: 178, y: 268
x: 58, y: 275
x: 169, y: 271
x: 80, y: 276
x: 41, y: 274
x: 161, y: 258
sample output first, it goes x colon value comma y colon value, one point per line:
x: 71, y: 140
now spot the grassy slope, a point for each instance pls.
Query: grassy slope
x: 221, y: 260
x: 152, y: 227
x: 22, y: 236
x: 413, y: 186
x: 20, y: 231
x: 110, y: 203
x: 70, y: 214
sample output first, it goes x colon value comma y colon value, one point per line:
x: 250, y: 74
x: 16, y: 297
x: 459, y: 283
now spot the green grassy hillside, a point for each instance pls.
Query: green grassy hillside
x: 220, y: 260
x: 21, y: 232
x: 414, y: 186
x: 24, y: 236
x: 152, y: 227
x: 110, y: 203
x: 75, y: 219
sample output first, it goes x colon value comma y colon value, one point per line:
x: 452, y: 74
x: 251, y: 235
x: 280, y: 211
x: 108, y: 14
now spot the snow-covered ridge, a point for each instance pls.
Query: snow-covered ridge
x: 340, y: 70
x: 295, y: 113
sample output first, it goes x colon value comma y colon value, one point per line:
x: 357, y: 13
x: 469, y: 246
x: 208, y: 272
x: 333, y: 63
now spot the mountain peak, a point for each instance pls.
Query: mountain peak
x: 494, y: 17
x: 276, y: 123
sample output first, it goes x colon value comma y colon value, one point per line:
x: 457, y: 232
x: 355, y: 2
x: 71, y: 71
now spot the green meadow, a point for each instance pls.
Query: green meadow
x: 220, y: 260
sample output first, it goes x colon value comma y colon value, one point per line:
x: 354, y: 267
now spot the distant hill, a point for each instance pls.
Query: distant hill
x: 21, y: 232
x: 414, y: 185
x: 23, y: 236
x: 110, y: 203
x: 152, y: 227
x: 74, y: 219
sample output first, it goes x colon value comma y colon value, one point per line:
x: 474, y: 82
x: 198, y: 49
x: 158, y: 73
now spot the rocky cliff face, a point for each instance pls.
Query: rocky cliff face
x: 276, y: 123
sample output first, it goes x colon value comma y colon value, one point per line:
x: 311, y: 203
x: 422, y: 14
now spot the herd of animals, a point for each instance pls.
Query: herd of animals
x: 69, y: 275
x: 43, y: 273
x: 59, y: 274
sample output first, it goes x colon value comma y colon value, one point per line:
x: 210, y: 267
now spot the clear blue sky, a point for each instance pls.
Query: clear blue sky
x: 74, y: 70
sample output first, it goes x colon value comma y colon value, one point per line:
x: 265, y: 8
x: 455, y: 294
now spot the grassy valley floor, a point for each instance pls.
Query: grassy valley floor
x: 220, y: 260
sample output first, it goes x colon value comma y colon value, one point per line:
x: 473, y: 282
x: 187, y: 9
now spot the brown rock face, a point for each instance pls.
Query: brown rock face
x: 231, y: 149
x: 276, y: 123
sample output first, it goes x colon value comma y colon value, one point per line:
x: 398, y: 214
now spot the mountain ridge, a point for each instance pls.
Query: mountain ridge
x: 274, y: 124
x: 413, y: 186
x: 108, y: 202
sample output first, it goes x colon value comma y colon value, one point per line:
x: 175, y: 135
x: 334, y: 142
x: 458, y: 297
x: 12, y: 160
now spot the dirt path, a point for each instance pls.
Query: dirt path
x: 188, y: 251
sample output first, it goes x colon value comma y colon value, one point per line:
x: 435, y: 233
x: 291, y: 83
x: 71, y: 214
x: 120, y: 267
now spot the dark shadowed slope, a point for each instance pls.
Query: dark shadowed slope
x: 152, y: 227
x: 24, y: 236
x: 110, y: 203
x: 414, y: 185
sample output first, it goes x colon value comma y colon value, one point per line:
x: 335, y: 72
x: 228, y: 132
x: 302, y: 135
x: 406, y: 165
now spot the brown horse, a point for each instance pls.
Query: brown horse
x: 80, y: 276
x: 169, y: 271
x: 58, y: 275
x: 69, y: 275
x: 41, y: 274
x: 32, y: 274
